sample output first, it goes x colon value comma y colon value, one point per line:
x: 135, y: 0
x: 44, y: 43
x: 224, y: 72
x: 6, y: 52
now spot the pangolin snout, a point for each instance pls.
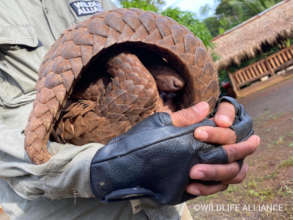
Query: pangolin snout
x: 167, y: 79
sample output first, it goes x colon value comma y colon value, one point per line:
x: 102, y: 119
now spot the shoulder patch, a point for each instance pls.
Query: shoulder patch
x: 83, y: 8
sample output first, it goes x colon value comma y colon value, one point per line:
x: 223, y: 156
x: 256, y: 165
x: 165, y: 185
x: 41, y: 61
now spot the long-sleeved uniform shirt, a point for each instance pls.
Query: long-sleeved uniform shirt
x: 60, y: 188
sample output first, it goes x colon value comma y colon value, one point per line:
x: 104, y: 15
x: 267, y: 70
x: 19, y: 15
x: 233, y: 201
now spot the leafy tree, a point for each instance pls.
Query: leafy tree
x: 148, y: 5
x: 233, y: 12
x: 189, y: 20
x: 254, y: 7
x: 205, y: 10
x: 186, y: 18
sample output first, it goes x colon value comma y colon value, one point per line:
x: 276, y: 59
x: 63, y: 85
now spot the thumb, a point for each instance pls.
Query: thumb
x: 191, y: 115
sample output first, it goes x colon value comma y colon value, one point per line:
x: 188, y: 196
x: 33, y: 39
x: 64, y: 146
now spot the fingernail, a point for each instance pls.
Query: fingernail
x: 201, y: 107
x: 257, y: 139
x: 193, y: 190
x: 225, y: 120
x: 201, y: 134
x: 198, y: 175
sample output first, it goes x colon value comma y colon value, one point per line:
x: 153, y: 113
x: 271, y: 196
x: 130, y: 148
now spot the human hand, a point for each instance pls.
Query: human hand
x: 157, y: 154
x: 224, y: 174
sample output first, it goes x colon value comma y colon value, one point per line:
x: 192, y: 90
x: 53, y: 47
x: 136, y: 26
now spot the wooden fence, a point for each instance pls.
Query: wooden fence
x: 261, y: 73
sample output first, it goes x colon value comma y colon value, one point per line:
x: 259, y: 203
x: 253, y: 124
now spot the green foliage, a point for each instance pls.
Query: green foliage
x: 254, y: 7
x: 174, y: 13
x: 223, y: 75
x: 186, y: 18
x: 147, y: 5
x: 230, y: 13
x: 204, y: 10
x: 213, y: 25
x: 286, y: 163
x: 142, y: 3
x: 221, y: 30
x: 189, y: 20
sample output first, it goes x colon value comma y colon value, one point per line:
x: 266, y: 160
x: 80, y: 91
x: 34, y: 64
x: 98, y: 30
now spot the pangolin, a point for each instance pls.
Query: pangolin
x: 101, y: 109
x: 111, y: 71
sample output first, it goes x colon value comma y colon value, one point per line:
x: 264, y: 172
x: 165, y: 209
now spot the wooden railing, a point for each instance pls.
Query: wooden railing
x: 258, y: 70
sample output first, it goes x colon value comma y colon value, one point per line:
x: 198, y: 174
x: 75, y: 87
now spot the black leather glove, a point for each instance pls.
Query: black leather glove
x: 153, y: 159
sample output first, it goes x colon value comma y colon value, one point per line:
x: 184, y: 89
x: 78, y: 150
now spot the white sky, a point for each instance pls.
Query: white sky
x: 191, y: 5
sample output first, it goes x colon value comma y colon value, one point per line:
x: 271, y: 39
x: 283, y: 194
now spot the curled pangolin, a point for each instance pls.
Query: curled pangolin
x: 100, y: 110
x: 111, y: 71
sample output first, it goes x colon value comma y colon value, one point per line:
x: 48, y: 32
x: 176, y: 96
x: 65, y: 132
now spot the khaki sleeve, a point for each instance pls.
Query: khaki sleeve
x: 65, y: 175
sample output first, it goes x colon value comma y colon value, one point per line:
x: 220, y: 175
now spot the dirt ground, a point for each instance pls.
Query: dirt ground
x: 267, y: 192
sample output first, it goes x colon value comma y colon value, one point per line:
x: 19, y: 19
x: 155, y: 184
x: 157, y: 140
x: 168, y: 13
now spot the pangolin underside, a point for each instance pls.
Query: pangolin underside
x: 111, y: 71
x: 101, y: 109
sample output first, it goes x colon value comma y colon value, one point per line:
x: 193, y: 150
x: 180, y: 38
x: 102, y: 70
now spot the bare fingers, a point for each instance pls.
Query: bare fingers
x: 221, y: 134
x: 243, y: 149
x: 215, y: 135
x: 198, y: 189
x: 225, y: 174
x: 192, y: 115
x: 225, y: 115
x: 239, y: 177
x: 215, y: 172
